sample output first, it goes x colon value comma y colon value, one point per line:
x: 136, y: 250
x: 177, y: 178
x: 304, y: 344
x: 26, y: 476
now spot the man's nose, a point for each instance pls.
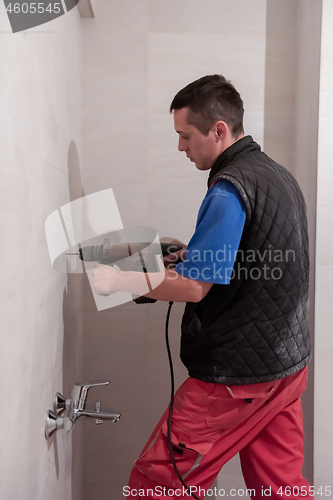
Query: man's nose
x: 181, y: 146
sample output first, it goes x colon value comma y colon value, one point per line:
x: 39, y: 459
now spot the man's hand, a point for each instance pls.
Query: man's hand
x: 171, y: 260
x: 172, y: 287
x: 105, y: 279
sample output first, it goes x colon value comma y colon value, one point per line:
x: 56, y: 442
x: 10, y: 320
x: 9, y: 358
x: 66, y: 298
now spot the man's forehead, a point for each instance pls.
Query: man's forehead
x: 180, y: 120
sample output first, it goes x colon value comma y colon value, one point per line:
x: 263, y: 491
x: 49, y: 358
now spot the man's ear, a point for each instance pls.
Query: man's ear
x: 221, y: 129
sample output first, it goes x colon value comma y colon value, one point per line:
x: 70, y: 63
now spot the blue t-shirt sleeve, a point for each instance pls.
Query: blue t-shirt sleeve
x: 212, y: 250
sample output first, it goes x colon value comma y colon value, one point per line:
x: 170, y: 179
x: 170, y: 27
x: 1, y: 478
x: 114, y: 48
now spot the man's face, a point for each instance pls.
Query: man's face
x: 202, y: 149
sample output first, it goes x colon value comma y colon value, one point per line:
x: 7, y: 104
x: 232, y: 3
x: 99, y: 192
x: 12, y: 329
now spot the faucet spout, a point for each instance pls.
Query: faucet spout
x: 105, y: 415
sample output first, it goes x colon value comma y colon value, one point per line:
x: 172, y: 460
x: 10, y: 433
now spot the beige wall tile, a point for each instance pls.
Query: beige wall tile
x: 40, y: 116
x: 210, y: 16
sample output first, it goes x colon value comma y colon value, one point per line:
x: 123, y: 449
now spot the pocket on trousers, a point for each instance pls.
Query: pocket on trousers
x: 236, y: 404
x: 188, y: 451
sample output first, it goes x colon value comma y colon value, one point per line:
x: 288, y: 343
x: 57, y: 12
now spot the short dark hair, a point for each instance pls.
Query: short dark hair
x: 210, y: 99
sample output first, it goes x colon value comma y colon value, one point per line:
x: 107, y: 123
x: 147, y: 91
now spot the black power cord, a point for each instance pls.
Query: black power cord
x: 171, y: 403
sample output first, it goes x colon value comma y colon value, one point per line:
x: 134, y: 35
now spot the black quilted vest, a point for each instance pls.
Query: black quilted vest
x: 256, y: 328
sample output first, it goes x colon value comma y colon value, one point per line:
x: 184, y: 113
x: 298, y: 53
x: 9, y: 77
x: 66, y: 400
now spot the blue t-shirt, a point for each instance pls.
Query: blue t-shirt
x: 212, y: 250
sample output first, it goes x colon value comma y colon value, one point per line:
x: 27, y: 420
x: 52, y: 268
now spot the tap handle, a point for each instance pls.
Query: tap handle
x: 80, y: 391
x: 91, y: 383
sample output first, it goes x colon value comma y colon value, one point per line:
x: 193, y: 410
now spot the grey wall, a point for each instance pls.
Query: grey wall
x: 305, y: 170
x: 291, y: 128
x: 136, y: 56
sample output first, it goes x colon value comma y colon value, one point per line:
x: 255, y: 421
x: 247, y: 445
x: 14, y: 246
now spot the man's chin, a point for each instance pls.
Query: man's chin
x: 201, y: 167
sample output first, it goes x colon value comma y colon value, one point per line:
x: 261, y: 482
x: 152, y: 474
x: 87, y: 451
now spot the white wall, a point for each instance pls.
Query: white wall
x: 40, y: 116
x: 323, y: 433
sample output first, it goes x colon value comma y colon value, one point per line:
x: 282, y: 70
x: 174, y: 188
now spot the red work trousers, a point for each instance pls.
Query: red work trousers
x: 213, y: 422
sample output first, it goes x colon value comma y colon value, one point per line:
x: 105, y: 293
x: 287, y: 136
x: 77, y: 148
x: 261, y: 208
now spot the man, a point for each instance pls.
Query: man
x: 245, y: 339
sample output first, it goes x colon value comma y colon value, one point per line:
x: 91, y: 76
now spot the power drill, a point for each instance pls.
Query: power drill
x: 130, y: 257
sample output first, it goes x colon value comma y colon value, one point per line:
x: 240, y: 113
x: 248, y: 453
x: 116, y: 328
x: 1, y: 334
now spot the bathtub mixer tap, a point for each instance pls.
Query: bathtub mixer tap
x: 67, y: 411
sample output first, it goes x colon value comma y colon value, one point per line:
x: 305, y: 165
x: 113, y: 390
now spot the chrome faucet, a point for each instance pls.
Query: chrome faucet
x: 67, y: 411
